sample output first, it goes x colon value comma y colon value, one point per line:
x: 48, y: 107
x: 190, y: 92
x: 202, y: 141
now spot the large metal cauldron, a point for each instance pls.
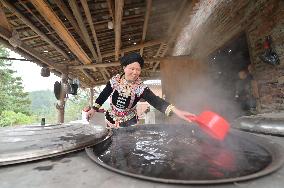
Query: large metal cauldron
x: 183, y: 154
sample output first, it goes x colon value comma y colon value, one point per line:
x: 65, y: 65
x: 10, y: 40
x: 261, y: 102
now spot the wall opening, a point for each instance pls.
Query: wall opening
x: 229, y: 69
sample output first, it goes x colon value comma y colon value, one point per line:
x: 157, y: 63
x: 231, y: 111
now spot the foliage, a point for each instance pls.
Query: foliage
x: 12, y: 95
x: 44, y: 102
x: 8, y: 118
x: 75, y: 104
x: 14, y: 102
x: 19, y: 107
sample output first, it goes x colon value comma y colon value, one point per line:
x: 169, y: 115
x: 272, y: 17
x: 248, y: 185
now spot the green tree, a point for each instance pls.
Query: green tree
x: 75, y: 104
x: 8, y: 118
x: 12, y: 95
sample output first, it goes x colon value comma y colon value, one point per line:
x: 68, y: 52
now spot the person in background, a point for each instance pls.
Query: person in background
x: 125, y: 90
x: 244, y: 91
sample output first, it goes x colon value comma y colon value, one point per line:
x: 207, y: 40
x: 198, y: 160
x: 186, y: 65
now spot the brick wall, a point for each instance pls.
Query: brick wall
x: 269, y: 78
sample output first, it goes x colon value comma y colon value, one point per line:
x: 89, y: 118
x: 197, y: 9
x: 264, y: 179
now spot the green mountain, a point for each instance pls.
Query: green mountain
x: 43, y: 105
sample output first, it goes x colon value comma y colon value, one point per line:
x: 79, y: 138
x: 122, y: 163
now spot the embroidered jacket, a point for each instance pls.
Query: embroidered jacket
x: 124, y: 97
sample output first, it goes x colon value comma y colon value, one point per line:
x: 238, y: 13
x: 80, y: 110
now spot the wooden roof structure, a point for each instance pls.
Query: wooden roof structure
x: 86, y: 38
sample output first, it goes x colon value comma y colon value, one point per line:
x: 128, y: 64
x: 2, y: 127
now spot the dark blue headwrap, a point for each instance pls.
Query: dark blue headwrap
x: 131, y: 58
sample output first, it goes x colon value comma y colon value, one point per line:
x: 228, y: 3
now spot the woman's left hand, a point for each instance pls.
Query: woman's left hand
x: 183, y: 114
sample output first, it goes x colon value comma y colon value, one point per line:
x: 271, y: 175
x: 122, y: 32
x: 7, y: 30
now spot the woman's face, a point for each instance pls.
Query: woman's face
x: 132, y: 71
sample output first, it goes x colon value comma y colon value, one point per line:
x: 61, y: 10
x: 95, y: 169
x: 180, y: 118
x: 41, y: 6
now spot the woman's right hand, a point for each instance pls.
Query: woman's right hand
x: 90, y: 114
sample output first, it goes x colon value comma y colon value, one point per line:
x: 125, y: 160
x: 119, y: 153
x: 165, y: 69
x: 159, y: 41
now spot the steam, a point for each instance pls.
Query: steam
x: 185, y: 41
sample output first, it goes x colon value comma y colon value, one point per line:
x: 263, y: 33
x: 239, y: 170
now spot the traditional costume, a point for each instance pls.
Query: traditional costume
x: 125, y: 95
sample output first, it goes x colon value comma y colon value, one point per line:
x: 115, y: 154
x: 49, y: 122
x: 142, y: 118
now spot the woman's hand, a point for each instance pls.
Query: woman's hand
x: 183, y: 114
x: 90, y: 114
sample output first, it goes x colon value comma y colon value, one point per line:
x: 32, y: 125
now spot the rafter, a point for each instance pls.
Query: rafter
x: 24, y: 19
x: 5, y: 34
x: 78, y: 16
x: 110, y: 9
x: 91, y: 24
x: 61, y: 30
x: 146, y: 20
x: 68, y: 14
x: 117, y: 28
x: 136, y: 47
x: 43, y: 24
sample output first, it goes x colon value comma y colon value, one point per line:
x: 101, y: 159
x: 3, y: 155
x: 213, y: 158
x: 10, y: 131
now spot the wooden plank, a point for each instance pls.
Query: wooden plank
x: 117, y: 28
x: 91, y: 24
x: 146, y: 20
x: 50, y: 16
x: 78, y: 16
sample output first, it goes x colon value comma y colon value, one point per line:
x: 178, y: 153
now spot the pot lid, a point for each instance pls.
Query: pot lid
x: 27, y: 143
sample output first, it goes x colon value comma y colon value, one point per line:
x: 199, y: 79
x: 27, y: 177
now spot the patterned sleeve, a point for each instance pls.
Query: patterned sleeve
x: 103, y: 96
x: 157, y: 102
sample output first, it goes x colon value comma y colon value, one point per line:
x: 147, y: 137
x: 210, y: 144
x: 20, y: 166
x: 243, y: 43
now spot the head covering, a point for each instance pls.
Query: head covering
x: 131, y: 58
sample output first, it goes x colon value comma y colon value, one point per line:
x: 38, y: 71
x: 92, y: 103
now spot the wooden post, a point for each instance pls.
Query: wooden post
x: 91, y: 97
x: 61, y: 102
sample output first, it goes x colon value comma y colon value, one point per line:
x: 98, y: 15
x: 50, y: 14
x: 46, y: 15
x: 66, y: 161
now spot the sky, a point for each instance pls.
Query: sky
x: 30, y: 74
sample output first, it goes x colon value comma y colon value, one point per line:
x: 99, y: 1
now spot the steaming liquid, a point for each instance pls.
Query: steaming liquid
x: 181, y: 153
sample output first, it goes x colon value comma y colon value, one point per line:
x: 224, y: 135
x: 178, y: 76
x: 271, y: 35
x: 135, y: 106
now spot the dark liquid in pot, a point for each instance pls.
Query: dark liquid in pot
x: 182, y: 153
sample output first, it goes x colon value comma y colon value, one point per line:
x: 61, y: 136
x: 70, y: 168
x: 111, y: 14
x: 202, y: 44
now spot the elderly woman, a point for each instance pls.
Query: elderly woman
x: 125, y: 91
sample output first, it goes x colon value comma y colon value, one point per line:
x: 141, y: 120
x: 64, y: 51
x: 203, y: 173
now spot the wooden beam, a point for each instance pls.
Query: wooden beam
x: 136, y: 47
x: 116, y: 63
x: 61, y: 102
x: 78, y: 16
x: 68, y: 14
x: 50, y: 16
x: 91, y: 24
x: 146, y: 20
x: 42, y: 24
x: 35, y: 56
x: 22, y: 17
x: 15, y: 59
x: 103, y: 74
x: 3, y: 19
x: 90, y: 66
x: 5, y: 34
x: 30, y: 38
x: 117, y: 26
x: 107, y: 73
x: 110, y: 4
